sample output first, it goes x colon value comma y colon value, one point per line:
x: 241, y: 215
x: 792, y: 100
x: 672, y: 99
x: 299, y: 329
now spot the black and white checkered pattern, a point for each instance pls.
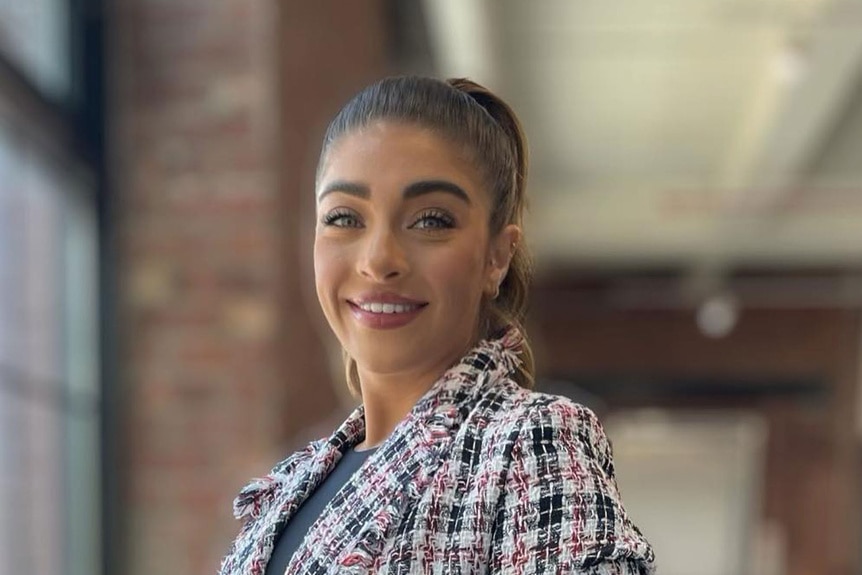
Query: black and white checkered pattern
x: 481, y: 477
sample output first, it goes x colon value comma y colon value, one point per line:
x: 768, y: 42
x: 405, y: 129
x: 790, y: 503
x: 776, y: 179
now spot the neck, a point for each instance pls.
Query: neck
x: 388, y: 398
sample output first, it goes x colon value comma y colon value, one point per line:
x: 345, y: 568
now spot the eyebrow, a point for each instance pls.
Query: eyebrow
x: 351, y: 188
x: 423, y: 187
x: 413, y: 190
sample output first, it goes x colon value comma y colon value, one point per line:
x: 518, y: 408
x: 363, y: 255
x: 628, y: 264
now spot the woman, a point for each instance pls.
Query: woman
x: 451, y: 464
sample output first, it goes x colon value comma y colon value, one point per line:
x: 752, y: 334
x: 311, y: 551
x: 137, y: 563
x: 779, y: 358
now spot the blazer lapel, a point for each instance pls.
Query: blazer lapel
x: 305, y: 479
x: 270, y: 502
x: 352, y: 530
x: 353, y: 527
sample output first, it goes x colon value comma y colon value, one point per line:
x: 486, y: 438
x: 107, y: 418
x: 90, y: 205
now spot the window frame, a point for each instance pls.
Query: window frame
x: 69, y: 133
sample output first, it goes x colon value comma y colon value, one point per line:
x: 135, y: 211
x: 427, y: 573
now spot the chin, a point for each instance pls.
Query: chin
x: 385, y: 364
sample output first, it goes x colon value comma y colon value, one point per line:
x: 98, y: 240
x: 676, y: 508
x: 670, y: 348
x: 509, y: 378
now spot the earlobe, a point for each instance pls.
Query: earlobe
x: 494, y: 279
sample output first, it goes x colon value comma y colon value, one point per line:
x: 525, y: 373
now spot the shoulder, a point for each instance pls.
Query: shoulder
x: 546, y: 409
x: 538, y: 421
x: 554, y: 426
x: 568, y: 426
x: 538, y: 433
x: 561, y: 493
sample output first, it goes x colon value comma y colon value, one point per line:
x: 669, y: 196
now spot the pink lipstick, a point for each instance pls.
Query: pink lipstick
x: 385, y: 310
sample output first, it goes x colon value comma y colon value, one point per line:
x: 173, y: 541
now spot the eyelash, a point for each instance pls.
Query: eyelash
x: 340, y: 214
x: 441, y: 220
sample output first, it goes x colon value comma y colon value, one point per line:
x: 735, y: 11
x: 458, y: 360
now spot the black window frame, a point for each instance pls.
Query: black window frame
x: 71, y: 131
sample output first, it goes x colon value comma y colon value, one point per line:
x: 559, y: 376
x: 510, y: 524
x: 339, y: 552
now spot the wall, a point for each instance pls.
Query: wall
x: 812, y: 459
x: 216, y: 113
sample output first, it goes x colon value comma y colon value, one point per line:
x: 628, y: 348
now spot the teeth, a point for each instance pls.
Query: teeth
x: 376, y: 307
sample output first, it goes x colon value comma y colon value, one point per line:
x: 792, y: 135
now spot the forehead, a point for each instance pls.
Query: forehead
x: 389, y: 154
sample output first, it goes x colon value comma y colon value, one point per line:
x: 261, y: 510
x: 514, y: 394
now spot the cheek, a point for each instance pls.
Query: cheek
x: 327, y: 270
x: 459, y: 276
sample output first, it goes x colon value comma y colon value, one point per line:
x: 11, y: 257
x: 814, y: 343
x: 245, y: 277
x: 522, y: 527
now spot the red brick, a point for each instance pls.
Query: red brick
x: 216, y: 116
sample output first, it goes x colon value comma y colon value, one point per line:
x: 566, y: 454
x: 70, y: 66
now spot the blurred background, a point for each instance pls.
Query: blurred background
x: 696, y: 218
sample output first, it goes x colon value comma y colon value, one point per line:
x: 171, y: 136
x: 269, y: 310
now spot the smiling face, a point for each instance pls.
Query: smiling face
x: 403, y: 251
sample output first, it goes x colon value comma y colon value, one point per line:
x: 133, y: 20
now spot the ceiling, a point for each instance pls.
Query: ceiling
x: 708, y: 134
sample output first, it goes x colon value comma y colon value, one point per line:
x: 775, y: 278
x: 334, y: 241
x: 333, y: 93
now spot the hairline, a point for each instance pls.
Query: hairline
x: 468, y: 151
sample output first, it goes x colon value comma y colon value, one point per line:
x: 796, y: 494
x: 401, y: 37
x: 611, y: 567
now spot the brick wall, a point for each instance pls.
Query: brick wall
x: 216, y: 110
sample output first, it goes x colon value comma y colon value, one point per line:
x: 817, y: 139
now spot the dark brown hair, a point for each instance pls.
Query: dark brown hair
x: 472, y: 116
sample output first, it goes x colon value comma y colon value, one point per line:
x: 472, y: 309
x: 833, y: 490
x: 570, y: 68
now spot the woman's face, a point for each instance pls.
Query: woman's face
x: 402, y: 252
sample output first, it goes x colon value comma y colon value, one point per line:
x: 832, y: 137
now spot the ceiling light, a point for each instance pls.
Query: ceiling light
x: 718, y: 315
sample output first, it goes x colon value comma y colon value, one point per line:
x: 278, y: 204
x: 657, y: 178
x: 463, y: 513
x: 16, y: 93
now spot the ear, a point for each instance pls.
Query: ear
x: 500, y: 251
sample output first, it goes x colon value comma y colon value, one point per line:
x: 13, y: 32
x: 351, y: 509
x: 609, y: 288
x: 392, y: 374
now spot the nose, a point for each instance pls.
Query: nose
x: 382, y: 256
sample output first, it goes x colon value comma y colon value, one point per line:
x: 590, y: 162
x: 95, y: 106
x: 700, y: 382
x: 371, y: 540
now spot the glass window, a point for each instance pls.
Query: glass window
x: 49, y: 386
x: 34, y: 36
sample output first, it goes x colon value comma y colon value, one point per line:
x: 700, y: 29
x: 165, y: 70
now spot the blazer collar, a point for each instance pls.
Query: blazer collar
x: 402, y: 466
x: 449, y: 400
x: 397, y: 474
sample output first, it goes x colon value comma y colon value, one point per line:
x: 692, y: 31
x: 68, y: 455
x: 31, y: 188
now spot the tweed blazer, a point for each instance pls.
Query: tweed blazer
x: 482, y: 476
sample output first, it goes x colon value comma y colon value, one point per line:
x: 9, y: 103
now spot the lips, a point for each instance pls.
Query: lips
x: 385, y: 310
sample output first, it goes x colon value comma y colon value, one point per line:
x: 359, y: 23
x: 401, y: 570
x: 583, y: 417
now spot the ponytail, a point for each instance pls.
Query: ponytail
x: 509, y: 206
